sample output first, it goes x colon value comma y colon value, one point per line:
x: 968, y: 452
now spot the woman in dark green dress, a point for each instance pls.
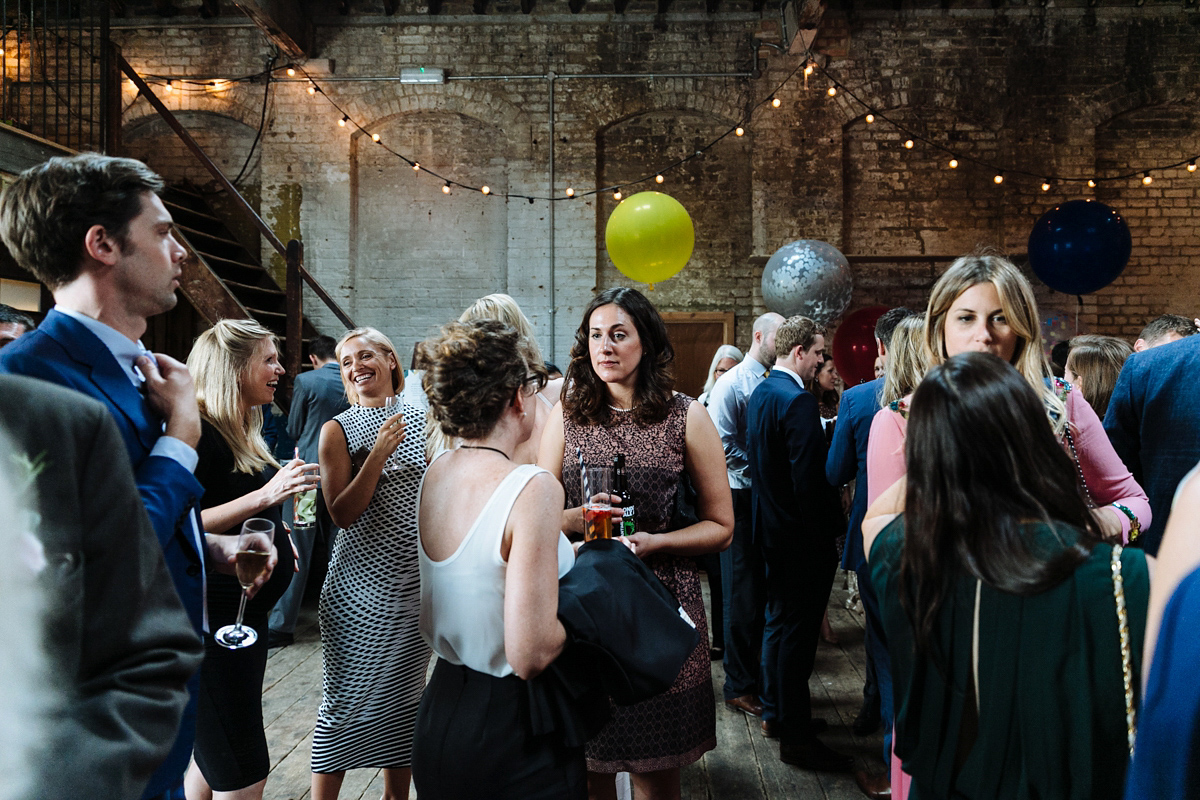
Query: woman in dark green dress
x: 999, y: 604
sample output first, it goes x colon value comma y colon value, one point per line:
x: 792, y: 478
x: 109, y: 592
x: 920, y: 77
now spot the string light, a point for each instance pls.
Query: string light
x: 1146, y: 179
x: 954, y: 163
x: 1091, y: 184
x: 908, y: 145
x: 617, y: 195
x: 1191, y: 167
x: 808, y: 68
x: 740, y: 131
x: 291, y: 72
x: 570, y: 192
x: 832, y: 91
x: 446, y: 187
x: 999, y: 179
x: 870, y: 118
x: 374, y: 137
x: 170, y: 86
x: 775, y: 102
x: 486, y: 189
x: 658, y: 179
x: 342, y: 122
x: 416, y: 166
x: 1045, y: 186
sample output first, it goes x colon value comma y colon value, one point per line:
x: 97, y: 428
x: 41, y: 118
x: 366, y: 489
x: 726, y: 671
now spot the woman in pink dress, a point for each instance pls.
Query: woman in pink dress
x: 984, y: 304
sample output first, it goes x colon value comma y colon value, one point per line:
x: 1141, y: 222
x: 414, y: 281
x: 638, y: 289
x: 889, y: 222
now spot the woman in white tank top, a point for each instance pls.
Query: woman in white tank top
x: 491, y: 554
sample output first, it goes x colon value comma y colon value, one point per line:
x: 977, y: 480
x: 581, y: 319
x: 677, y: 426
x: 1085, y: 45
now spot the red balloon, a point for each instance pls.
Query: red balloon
x: 854, y: 348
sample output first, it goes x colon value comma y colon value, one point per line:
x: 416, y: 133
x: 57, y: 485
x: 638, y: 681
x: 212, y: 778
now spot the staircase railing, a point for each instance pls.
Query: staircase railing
x: 292, y: 252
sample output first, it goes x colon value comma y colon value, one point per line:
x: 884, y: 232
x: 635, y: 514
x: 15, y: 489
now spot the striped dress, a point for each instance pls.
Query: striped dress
x: 374, y: 657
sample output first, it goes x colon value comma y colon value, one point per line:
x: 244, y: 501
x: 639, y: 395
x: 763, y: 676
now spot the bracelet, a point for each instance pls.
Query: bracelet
x: 1135, y: 527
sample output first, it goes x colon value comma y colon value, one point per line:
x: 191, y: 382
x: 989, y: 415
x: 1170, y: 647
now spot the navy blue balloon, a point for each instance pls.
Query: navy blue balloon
x: 1079, y: 246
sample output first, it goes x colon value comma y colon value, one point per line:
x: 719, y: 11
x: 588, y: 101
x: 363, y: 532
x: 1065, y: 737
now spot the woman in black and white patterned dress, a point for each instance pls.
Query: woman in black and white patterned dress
x: 374, y: 657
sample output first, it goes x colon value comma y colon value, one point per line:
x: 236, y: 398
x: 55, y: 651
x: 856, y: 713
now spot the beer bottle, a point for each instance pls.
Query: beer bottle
x: 621, y: 488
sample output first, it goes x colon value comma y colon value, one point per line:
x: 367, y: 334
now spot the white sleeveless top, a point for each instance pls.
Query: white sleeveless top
x: 462, y: 597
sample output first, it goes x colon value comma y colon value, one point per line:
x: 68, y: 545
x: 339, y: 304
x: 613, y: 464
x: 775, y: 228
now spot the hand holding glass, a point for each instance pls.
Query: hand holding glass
x: 597, y: 506
x: 304, y: 507
x: 253, y: 553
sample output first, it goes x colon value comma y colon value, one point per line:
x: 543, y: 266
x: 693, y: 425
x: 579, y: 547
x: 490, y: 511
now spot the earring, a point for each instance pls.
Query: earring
x: 524, y: 414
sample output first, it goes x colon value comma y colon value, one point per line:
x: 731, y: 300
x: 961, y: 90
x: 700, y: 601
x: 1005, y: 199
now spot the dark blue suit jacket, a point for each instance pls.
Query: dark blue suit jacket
x: 848, y: 459
x: 794, y: 506
x: 1153, y: 421
x: 64, y: 352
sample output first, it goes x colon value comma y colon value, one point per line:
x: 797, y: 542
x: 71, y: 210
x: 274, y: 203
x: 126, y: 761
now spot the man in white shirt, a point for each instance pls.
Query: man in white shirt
x: 742, y: 572
x: 93, y: 229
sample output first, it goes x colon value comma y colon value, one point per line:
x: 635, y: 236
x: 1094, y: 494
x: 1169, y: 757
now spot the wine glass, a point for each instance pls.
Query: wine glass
x: 392, y: 407
x: 253, y: 552
x: 304, y: 507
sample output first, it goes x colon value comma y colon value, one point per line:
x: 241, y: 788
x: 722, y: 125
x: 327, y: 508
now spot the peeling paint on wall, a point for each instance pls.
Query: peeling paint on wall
x: 283, y: 215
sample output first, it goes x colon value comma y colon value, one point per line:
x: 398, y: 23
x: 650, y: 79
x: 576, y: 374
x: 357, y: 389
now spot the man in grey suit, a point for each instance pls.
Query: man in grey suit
x: 317, y: 397
x: 120, y: 645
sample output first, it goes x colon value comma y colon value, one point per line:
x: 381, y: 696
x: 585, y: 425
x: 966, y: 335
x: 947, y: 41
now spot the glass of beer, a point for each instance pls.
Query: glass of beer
x: 253, y: 552
x: 597, y: 507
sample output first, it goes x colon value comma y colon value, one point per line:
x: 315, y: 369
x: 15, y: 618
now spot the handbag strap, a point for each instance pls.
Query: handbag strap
x: 1126, y: 651
x: 975, y: 644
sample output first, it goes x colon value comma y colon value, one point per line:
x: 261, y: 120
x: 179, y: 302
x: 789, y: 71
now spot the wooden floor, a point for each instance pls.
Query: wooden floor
x: 745, y: 766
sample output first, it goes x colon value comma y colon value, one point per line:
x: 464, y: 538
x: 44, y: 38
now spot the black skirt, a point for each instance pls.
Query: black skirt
x: 473, y: 740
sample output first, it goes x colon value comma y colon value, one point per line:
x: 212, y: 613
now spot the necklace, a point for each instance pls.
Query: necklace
x: 483, y: 447
x: 618, y: 408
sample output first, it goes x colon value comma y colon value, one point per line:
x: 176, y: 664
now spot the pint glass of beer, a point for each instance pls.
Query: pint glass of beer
x: 597, y: 505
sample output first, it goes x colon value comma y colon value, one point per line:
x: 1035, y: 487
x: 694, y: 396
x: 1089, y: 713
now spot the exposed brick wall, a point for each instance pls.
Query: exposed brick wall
x: 1068, y: 91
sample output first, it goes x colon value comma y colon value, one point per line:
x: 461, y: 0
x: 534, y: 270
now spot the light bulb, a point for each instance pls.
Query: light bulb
x: 740, y: 131
x: 775, y: 102
x: 616, y: 195
x: 1146, y: 179
x: 999, y: 178
x: 658, y: 178
x: 908, y: 145
x: 342, y: 122
x: 416, y: 166
x: 170, y: 86
x: 486, y: 190
x: 870, y: 118
x: 1, y: 51
x: 832, y: 91
x: 312, y: 89
x: 374, y: 137
x: 808, y: 68
x: 570, y: 192
x: 954, y: 163
x: 1091, y: 184
x: 1045, y: 186
x: 291, y: 72
x: 1191, y: 167
x: 446, y: 187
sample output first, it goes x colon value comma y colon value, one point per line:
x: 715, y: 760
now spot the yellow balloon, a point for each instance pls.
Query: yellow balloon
x: 650, y: 236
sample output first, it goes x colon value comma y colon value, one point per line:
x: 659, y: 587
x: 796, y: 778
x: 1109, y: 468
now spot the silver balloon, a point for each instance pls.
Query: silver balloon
x: 810, y: 278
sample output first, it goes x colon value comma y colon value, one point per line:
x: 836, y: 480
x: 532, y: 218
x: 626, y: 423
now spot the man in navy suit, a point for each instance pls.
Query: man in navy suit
x: 797, y: 517
x: 848, y: 461
x: 93, y: 229
x: 1153, y: 421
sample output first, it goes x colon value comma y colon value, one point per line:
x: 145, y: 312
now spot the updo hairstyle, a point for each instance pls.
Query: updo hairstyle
x: 473, y: 371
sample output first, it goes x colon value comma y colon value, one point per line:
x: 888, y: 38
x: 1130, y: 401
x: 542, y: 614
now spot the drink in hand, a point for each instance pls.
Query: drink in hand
x: 597, y: 522
x: 251, y: 564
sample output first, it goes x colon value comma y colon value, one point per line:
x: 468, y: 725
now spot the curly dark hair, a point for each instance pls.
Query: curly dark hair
x: 473, y: 371
x: 586, y: 399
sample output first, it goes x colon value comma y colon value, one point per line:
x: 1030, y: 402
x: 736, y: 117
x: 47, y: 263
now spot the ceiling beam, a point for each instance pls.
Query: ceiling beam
x: 283, y: 22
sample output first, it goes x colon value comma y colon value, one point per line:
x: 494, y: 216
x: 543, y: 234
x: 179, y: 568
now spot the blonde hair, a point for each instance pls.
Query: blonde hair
x: 503, y: 308
x: 1097, y: 360
x: 220, y: 359
x: 384, y: 344
x: 1020, y: 311
x: 907, y: 359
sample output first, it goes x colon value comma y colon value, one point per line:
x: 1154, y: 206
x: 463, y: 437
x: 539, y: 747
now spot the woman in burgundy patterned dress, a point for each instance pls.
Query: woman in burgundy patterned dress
x: 620, y: 400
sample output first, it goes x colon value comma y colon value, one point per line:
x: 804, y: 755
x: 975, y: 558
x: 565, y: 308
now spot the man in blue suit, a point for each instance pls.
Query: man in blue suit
x: 848, y: 461
x: 797, y: 517
x: 93, y: 229
x: 1153, y: 421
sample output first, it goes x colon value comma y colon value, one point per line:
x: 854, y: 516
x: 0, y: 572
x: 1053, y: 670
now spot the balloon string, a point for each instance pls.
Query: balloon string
x: 650, y: 287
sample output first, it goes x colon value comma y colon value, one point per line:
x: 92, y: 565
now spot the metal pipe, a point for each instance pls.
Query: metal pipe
x: 550, y: 76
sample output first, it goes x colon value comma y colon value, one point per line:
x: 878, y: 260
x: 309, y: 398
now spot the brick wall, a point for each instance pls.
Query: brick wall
x: 1052, y: 91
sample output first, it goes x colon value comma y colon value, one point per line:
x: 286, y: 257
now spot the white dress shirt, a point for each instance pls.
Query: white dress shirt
x: 727, y: 407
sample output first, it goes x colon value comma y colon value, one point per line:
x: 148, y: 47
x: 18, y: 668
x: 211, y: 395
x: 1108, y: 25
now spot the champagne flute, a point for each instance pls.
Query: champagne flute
x: 391, y: 405
x: 253, y: 552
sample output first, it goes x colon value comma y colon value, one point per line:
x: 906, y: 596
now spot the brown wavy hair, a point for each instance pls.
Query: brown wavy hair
x: 473, y: 371
x: 586, y: 399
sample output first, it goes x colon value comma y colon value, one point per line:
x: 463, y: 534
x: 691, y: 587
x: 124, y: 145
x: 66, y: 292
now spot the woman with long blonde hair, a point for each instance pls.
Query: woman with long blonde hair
x: 983, y: 303
x: 374, y: 660
x: 907, y: 360
x: 235, y: 366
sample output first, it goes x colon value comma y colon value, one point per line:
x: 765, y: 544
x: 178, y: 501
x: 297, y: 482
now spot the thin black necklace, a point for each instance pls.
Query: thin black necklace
x: 483, y: 447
